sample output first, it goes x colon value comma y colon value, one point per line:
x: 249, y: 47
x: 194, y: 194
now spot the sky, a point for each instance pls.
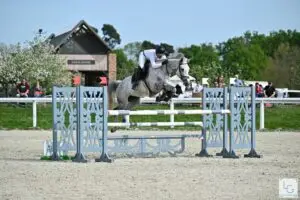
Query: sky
x: 179, y: 23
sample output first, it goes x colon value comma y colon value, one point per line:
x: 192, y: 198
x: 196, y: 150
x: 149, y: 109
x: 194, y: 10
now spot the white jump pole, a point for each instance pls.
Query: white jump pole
x: 262, y: 115
x: 172, y: 115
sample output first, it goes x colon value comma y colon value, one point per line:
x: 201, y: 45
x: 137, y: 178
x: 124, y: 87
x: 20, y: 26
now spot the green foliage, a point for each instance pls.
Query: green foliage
x: 284, y: 67
x: 169, y: 48
x: 110, y: 35
x: 132, y: 50
x: 147, y: 45
x: 252, y: 56
x: 125, y: 67
x: 204, y: 60
x: 63, y: 157
x: 240, y: 56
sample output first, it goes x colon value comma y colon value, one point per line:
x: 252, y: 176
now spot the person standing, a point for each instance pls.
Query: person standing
x: 269, y: 90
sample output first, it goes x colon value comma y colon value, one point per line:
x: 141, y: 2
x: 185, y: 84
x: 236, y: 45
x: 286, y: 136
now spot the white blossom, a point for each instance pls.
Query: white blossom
x: 35, y: 61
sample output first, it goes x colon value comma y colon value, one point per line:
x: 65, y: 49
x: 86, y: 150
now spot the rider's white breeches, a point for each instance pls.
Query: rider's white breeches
x: 142, y: 60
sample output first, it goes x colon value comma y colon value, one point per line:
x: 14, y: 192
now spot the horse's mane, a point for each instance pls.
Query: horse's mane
x: 176, y: 55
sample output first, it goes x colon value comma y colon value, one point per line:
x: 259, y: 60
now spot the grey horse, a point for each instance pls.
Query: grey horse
x: 156, y: 80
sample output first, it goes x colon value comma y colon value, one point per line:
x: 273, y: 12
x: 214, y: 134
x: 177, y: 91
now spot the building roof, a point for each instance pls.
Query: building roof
x: 63, y: 38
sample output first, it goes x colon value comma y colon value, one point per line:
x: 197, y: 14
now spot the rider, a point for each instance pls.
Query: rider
x: 152, y: 57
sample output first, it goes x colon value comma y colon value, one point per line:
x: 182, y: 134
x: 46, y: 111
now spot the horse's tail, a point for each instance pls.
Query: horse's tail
x: 112, y: 87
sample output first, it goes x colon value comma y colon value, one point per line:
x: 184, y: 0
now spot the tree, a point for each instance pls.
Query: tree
x: 44, y: 65
x: 270, y: 43
x: 132, y: 50
x: 204, y: 61
x: 147, y: 45
x: 9, y: 72
x: 36, y: 61
x: 241, y: 57
x: 125, y: 67
x: 284, y: 69
x: 110, y: 35
x: 169, y: 48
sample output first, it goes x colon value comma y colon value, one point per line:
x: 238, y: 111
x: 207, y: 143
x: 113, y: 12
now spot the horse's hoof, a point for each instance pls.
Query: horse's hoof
x: 112, y: 130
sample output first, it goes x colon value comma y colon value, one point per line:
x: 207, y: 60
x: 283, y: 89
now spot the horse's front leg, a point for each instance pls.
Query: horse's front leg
x: 168, y: 92
x: 165, y: 96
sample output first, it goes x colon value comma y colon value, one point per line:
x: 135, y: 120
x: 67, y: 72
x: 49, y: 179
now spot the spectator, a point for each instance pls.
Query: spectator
x: 221, y: 82
x: 38, y: 92
x: 216, y: 84
x: 269, y: 90
x: 198, y: 88
x: 103, y: 80
x: 23, y: 89
x: 259, y: 90
x: 238, y: 82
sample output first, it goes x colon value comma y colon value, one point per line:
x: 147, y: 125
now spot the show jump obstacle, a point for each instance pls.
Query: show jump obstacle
x: 80, y: 124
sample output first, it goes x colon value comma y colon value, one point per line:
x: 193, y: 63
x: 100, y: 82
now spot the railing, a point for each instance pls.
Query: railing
x: 293, y: 91
x: 173, y: 101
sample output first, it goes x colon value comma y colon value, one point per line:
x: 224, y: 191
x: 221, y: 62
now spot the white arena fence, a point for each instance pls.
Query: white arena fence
x: 171, y: 112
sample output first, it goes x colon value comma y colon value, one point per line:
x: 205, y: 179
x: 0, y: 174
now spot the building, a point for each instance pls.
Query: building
x: 86, y: 52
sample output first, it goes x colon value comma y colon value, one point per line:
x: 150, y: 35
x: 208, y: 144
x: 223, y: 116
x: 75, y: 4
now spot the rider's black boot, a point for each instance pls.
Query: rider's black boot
x: 139, y: 75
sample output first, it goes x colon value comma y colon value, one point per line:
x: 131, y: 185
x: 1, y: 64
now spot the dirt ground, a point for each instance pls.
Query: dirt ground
x: 24, y: 176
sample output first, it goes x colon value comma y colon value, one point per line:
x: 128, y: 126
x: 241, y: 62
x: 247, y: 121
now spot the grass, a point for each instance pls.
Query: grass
x: 64, y: 157
x: 13, y: 116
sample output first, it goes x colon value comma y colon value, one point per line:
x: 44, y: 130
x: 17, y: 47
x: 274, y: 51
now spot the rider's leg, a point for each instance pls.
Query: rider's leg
x: 136, y: 78
x: 139, y: 71
x: 145, y: 70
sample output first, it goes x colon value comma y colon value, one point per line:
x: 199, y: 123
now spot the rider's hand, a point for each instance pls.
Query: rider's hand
x: 165, y: 62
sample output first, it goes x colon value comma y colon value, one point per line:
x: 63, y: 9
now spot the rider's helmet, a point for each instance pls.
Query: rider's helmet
x: 160, y: 49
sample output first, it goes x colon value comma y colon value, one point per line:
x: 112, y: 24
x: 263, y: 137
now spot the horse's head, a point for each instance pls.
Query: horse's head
x: 183, y: 71
x: 178, y: 65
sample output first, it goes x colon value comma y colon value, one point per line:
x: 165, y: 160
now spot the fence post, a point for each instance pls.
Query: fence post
x: 127, y: 120
x: 79, y: 157
x: 34, y: 115
x: 104, y: 155
x: 262, y: 115
x: 54, y: 155
x: 172, y: 115
x: 253, y: 153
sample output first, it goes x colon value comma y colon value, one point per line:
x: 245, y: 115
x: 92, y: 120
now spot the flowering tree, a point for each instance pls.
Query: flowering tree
x: 10, y: 73
x: 36, y: 62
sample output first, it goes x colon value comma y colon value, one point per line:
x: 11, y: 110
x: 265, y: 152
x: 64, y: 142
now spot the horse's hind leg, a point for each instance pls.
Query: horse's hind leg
x: 119, y: 107
x: 132, y: 101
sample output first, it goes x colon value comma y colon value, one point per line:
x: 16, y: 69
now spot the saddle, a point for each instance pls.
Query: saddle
x: 140, y: 74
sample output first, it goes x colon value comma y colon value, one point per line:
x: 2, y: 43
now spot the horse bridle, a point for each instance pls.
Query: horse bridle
x: 180, y: 72
x: 170, y: 73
